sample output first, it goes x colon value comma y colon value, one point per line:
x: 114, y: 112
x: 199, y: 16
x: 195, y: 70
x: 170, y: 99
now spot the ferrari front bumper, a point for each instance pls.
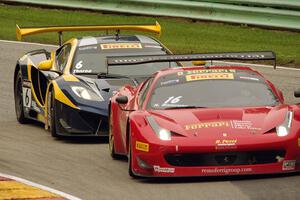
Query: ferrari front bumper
x: 175, y: 160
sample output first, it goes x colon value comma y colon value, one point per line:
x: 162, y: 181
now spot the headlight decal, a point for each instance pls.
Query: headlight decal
x: 86, y: 94
x: 162, y: 133
x: 284, y: 129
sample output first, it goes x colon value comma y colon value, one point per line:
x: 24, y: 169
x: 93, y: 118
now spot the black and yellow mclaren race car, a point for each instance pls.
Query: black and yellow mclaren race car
x: 69, y: 89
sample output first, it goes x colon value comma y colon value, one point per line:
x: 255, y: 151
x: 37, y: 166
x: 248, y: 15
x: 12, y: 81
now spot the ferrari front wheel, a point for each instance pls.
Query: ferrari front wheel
x: 130, y: 160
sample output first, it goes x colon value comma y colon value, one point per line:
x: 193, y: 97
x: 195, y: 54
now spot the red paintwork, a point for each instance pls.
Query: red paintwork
x: 202, y: 140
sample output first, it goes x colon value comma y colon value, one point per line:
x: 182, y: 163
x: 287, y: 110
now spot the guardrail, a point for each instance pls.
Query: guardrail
x: 267, y: 13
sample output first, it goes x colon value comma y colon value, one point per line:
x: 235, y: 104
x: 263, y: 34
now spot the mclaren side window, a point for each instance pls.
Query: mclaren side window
x: 61, y: 56
x: 144, y: 91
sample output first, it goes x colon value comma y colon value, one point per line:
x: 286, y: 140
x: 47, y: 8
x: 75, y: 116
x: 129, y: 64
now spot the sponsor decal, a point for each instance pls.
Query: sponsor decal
x: 169, y: 82
x: 226, y: 170
x: 87, y: 48
x: 207, y: 125
x: 226, y: 144
x: 201, y: 71
x: 159, y: 169
x: 298, y: 142
x: 249, y: 78
x: 142, y: 146
x: 237, y: 124
x: 82, y: 71
x: 153, y: 46
x: 288, y: 165
x: 209, y: 76
x: 121, y: 46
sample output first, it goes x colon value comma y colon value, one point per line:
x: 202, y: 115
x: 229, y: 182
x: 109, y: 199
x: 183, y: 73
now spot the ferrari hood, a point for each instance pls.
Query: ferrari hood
x: 212, y: 121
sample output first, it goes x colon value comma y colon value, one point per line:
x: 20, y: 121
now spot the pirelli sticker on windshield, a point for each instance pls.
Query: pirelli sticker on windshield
x: 202, y: 71
x: 207, y: 125
x: 209, y: 76
x: 121, y: 46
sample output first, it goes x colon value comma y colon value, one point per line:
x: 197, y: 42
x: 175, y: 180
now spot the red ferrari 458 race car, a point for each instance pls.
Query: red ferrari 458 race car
x: 204, y: 121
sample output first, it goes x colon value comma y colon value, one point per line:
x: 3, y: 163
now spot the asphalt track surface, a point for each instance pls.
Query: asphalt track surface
x: 84, y: 168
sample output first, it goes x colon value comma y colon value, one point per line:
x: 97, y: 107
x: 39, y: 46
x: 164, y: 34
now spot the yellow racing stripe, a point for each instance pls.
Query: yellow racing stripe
x: 60, y: 96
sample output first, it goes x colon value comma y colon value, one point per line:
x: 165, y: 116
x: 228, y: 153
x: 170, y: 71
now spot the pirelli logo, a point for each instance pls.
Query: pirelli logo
x: 121, y: 46
x: 208, y: 76
x: 142, y: 146
x: 207, y: 125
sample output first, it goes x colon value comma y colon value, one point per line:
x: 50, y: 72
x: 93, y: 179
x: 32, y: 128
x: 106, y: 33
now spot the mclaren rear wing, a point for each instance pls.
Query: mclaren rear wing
x: 24, y: 31
x: 248, y: 56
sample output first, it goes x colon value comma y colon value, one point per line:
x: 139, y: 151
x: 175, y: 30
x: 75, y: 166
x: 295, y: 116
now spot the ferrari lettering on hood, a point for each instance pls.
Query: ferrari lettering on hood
x: 235, y: 124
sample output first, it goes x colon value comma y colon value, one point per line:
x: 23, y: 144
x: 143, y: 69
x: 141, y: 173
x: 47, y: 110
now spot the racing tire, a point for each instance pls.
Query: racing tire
x: 130, y: 160
x: 111, y: 143
x: 51, y: 114
x: 19, y: 107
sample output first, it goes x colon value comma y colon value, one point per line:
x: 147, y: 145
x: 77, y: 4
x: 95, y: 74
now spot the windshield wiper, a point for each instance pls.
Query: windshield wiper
x: 183, y: 107
x: 106, y: 75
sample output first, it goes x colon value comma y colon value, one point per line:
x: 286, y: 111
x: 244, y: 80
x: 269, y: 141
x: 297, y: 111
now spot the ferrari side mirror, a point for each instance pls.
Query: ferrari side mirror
x: 45, y: 65
x: 122, y: 100
x: 297, y: 93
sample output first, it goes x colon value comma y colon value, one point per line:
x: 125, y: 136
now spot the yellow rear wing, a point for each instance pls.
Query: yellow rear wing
x: 21, y: 32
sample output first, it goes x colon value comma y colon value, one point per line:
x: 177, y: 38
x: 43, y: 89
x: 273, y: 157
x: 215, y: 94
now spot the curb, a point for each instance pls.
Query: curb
x: 15, y: 188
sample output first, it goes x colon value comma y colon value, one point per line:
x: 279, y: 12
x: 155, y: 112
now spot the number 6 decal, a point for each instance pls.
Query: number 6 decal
x: 27, y: 97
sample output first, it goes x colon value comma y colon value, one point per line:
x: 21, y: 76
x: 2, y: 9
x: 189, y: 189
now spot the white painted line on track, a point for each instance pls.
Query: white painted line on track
x: 62, y: 194
x: 233, y: 63
x: 30, y: 43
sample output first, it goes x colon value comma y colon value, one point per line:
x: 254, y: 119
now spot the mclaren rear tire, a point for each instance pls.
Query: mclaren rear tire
x: 19, y: 107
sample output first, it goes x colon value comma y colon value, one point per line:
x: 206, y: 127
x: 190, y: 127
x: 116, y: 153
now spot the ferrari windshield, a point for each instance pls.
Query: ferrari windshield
x: 92, y: 59
x: 211, y: 88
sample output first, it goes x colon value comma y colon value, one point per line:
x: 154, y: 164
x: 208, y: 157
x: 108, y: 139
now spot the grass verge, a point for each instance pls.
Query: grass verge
x: 181, y: 36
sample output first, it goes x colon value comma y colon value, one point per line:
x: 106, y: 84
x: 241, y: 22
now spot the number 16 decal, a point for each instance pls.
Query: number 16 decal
x: 173, y: 100
x: 27, y: 97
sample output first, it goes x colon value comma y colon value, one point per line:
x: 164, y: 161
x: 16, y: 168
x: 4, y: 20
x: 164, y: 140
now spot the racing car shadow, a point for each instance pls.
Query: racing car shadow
x: 176, y: 180
x: 82, y: 140
x: 74, y: 139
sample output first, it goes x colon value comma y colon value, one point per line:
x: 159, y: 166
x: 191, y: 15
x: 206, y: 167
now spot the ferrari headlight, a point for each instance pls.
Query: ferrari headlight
x: 284, y: 129
x: 83, y: 93
x: 161, y: 133
x: 164, y: 134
